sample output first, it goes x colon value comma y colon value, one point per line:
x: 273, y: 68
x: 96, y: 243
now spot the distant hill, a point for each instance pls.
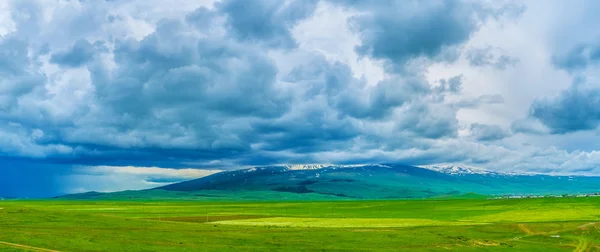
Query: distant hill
x: 384, y: 181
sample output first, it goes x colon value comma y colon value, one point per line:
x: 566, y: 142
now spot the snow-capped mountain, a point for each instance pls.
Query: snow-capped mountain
x: 447, y: 169
x: 377, y: 181
x: 456, y: 170
x: 293, y: 167
x: 308, y: 166
x: 463, y: 170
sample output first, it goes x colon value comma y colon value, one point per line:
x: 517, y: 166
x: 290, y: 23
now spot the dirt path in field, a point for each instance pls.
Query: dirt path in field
x: 525, y: 229
x: 588, y: 224
x: 529, y: 232
x: 583, y: 245
x: 14, y: 245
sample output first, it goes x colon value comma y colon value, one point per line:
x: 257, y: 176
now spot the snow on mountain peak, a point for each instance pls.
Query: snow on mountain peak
x: 307, y: 166
x: 447, y: 169
x: 321, y: 166
x: 456, y: 170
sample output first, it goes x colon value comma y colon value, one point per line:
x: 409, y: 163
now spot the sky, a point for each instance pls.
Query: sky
x: 109, y: 95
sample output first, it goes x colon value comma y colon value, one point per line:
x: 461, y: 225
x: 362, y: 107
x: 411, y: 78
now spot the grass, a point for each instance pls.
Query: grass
x: 343, y: 222
x: 557, y: 224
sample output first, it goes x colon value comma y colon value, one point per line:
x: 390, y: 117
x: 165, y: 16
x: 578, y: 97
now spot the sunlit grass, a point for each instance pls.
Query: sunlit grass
x: 566, y: 224
x: 344, y: 222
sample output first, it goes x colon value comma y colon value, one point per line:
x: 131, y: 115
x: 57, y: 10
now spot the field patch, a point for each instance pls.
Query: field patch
x: 539, y: 215
x: 525, y: 229
x: 344, y: 222
x: 99, y: 209
x: 204, y: 219
x: 25, y: 247
x: 554, y: 224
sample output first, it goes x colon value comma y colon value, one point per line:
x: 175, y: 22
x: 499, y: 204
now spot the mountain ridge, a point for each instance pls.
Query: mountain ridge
x: 375, y: 181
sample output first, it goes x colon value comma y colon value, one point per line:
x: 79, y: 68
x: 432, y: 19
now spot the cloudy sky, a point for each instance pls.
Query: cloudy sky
x: 129, y: 94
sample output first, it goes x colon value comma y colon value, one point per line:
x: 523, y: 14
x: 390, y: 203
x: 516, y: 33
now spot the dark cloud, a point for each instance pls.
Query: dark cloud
x: 18, y: 72
x: 330, y: 108
x: 452, y: 84
x: 575, y: 109
x: 81, y: 53
x: 14, y: 56
x: 178, y: 96
x: 29, y: 178
x: 529, y: 126
x: 265, y: 21
x: 480, y: 100
x: 20, y: 77
x: 395, y: 92
x: 578, y: 57
x: 175, y: 90
x: 401, y: 31
x: 209, y: 88
x: 485, y: 132
x: 170, y: 68
x: 490, y: 56
x: 169, y: 96
x: 202, y: 18
x: 352, y: 97
x: 335, y: 111
x: 429, y: 120
x: 27, y: 17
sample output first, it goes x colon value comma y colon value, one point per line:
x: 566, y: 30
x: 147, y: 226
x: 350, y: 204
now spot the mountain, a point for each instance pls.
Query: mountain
x: 457, y: 170
x: 382, y: 181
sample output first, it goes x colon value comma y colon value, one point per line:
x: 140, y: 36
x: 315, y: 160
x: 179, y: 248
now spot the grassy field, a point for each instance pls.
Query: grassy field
x: 558, y: 224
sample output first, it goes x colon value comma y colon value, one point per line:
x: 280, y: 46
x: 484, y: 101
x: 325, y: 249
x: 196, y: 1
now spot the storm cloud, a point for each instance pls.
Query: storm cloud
x: 90, y: 90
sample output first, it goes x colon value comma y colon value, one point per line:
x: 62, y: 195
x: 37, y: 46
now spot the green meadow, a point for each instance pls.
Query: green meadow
x: 545, y: 224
